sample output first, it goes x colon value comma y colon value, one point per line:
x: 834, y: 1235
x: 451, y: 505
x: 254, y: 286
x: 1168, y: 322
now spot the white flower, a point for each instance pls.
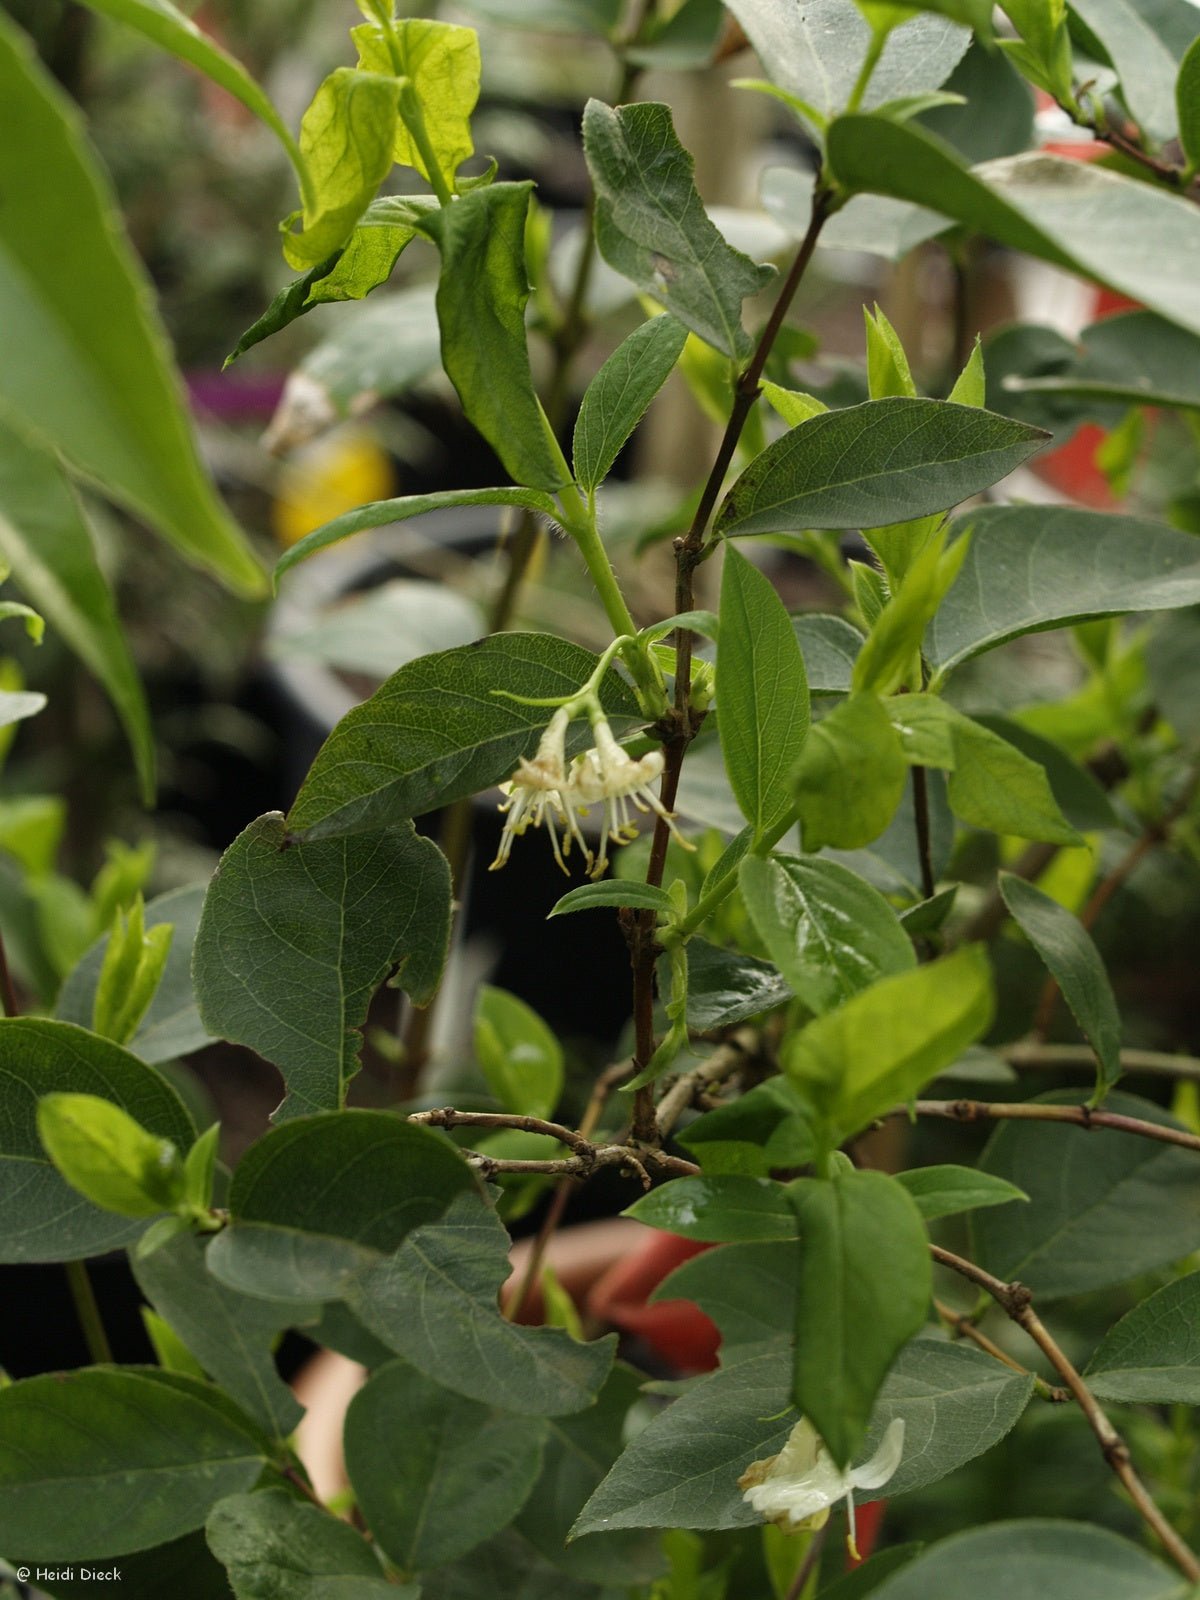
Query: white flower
x: 608, y: 775
x: 537, y: 793
x: 796, y: 1488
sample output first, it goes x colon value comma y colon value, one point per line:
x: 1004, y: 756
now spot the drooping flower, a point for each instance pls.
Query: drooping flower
x: 538, y: 792
x: 797, y: 1488
x: 609, y: 775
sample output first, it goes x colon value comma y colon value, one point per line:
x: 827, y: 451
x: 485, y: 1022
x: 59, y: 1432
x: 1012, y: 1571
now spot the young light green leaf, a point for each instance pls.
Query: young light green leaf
x: 108, y: 1156
x: 199, y: 1168
x: 888, y: 371
x: 171, y: 1352
x: 519, y: 1056
x: 441, y: 62
x: 791, y: 405
x: 1129, y: 235
x: 1146, y: 67
x: 871, y: 464
x: 616, y: 399
x: 42, y: 1218
x: 108, y: 1460
x: 1101, y: 1209
x: 970, y: 387
x: 1069, y: 951
x: 1044, y: 566
x: 1153, y: 1353
x: 944, y: 1191
x: 829, y: 932
x: 762, y: 694
x: 863, y: 1292
x: 86, y: 369
x: 850, y: 777
x: 1187, y: 103
x: 297, y: 935
x: 481, y: 299
x: 346, y: 140
x: 890, y: 658
x: 722, y: 1209
x: 652, y: 228
x: 434, y: 1474
x: 272, y: 1544
x: 437, y: 731
x: 615, y: 892
x: 132, y: 968
x: 884, y: 1045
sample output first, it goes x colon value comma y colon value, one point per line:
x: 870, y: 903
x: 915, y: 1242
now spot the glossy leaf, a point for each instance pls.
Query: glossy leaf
x: 1044, y: 566
x: 881, y: 462
x: 520, y: 1057
x: 1069, y: 951
x: 725, y: 986
x: 652, y: 228
x: 614, y: 892
x: 1153, y: 1353
x: 481, y: 297
x: 1128, y: 235
x: 850, y: 777
x: 863, y: 1291
x: 435, y: 731
x: 108, y: 1460
x: 108, y: 1156
x: 830, y: 933
x: 346, y: 141
x: 86, y: 368
x: 1103, y: 1207
x: 41, y: 1217
x: 944, y: 1191
x: 762, y: 694
x: 721, y: 1210
x: 273, y: 1544
x: 617, y: 398
x: 297, y: 935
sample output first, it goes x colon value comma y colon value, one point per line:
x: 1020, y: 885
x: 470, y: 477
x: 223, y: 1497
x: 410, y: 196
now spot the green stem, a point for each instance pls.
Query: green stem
x: 724, y: 887
x: 879, y: 38
x: 88, y: 1312
x: 414, y: 120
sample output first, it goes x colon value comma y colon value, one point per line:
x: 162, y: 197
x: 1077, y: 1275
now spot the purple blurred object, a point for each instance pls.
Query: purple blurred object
x: 234, y: 396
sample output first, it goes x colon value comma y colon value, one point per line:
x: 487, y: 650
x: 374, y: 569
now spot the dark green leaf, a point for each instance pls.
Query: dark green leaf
x: 481, y: 299
x: 231, y: 1335
x: 868, y: 465
x: 864, y: 1287
x: 41, y: 1217
x: 725, y: 986
x: 617, y: 397
x: 1103, y: 1207
x: 1153, y: 1353
x: 1172, y: 662
x: 927, y: 916
x: 435, y: 731
x: 434, y: 1474
x: 828, y: 931
x: 1134, y: 359
x: 830, y: 647
x: 762, y: 694
x: 508, y: 1565
x: 518, y: 1054
x: 104, y: 1461
x: 1145, y: 66
x: 997, y: 119
x: 865, y: 1580
x: 1129, y: 235
x: 722, y: 1210
x: 86, y: 368
x: 297, y: 935
x: 764, y: 1128
x: 274, y: 1544
x: 946, y: 1190
x: 615, y: 892
x: 749, y: 1291
x: 651, y: 225
x: 850, y: 777
x: 685, y: 40
x: 1067, y: 948
x: 1187, y: 102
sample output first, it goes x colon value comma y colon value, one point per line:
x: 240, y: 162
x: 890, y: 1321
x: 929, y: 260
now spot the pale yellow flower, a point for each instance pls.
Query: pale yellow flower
x: 797, y: 1488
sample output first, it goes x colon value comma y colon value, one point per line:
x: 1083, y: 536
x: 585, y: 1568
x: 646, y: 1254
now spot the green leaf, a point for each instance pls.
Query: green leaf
x: 864, y: 1287
x: 830, y: 647
x: 45, y: 539
x: 171, y: 1026
x: 86, y: 368
x: 435, y: 731
x: 108, y: 1156
x: 1035, y: 567
x: 652, y: 228
x: 297, y: 935
x: 865, y: 1580
x: 41, y: 1217
x: 885, y: 1044
x: 1187, y: 103
x: 1153, y: 1353
x: 520, y: 1057
x: 1123, y: 233
x: 1103, y: 1207
x: 722, y: 1210
x: 434, y: 1474
x: 888, y: 371
x: 1069, y: 951
x: 568, y: 16
x: 441, y: 62
x: 946, y: 1190
x: 346, y: 140
x: 1145, y: 66
x: 274, y: 1544
x: 134, y: 961
x: 1078, y: 795
x: 434, y: 1302
x: 324, y: 1196
x: 481, y: 297
x: 850, y: 777
x: 765, y: 1128
x: 1069, y: 1560
x: 104, y: 1461
x: 725, y: 987
x: 927, y: 916
x: 881, y: 462
x: 615, y: 892
x: 749, y: 1291
x: 681, y: 1471
x: 829, y: 932
x: 1133, y: 359
x: 617, y: 397
x: 762, y: 694
x: 890, y: 658
x: 509, y: 1565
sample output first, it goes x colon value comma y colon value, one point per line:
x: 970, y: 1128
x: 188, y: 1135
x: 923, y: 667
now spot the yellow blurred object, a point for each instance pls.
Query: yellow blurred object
x: 334, y: 474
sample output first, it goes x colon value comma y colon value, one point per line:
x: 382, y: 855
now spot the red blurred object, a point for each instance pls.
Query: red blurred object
x: 676, y: 1330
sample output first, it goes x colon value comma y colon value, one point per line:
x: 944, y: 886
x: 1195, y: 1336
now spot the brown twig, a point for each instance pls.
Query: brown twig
x: 591, y: 1160
x: 812, y: 1558
x: 965, y: 1328
x: 725, y: 1060
x: 1032, y: 1055
x: 1016, y: 1300
x: 449, y: 1117
x: 1080, y: 1116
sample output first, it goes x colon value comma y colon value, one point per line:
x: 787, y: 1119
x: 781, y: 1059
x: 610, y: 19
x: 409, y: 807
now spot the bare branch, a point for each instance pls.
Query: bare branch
x: 686, y: 1090
x: 1080, y: 1116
